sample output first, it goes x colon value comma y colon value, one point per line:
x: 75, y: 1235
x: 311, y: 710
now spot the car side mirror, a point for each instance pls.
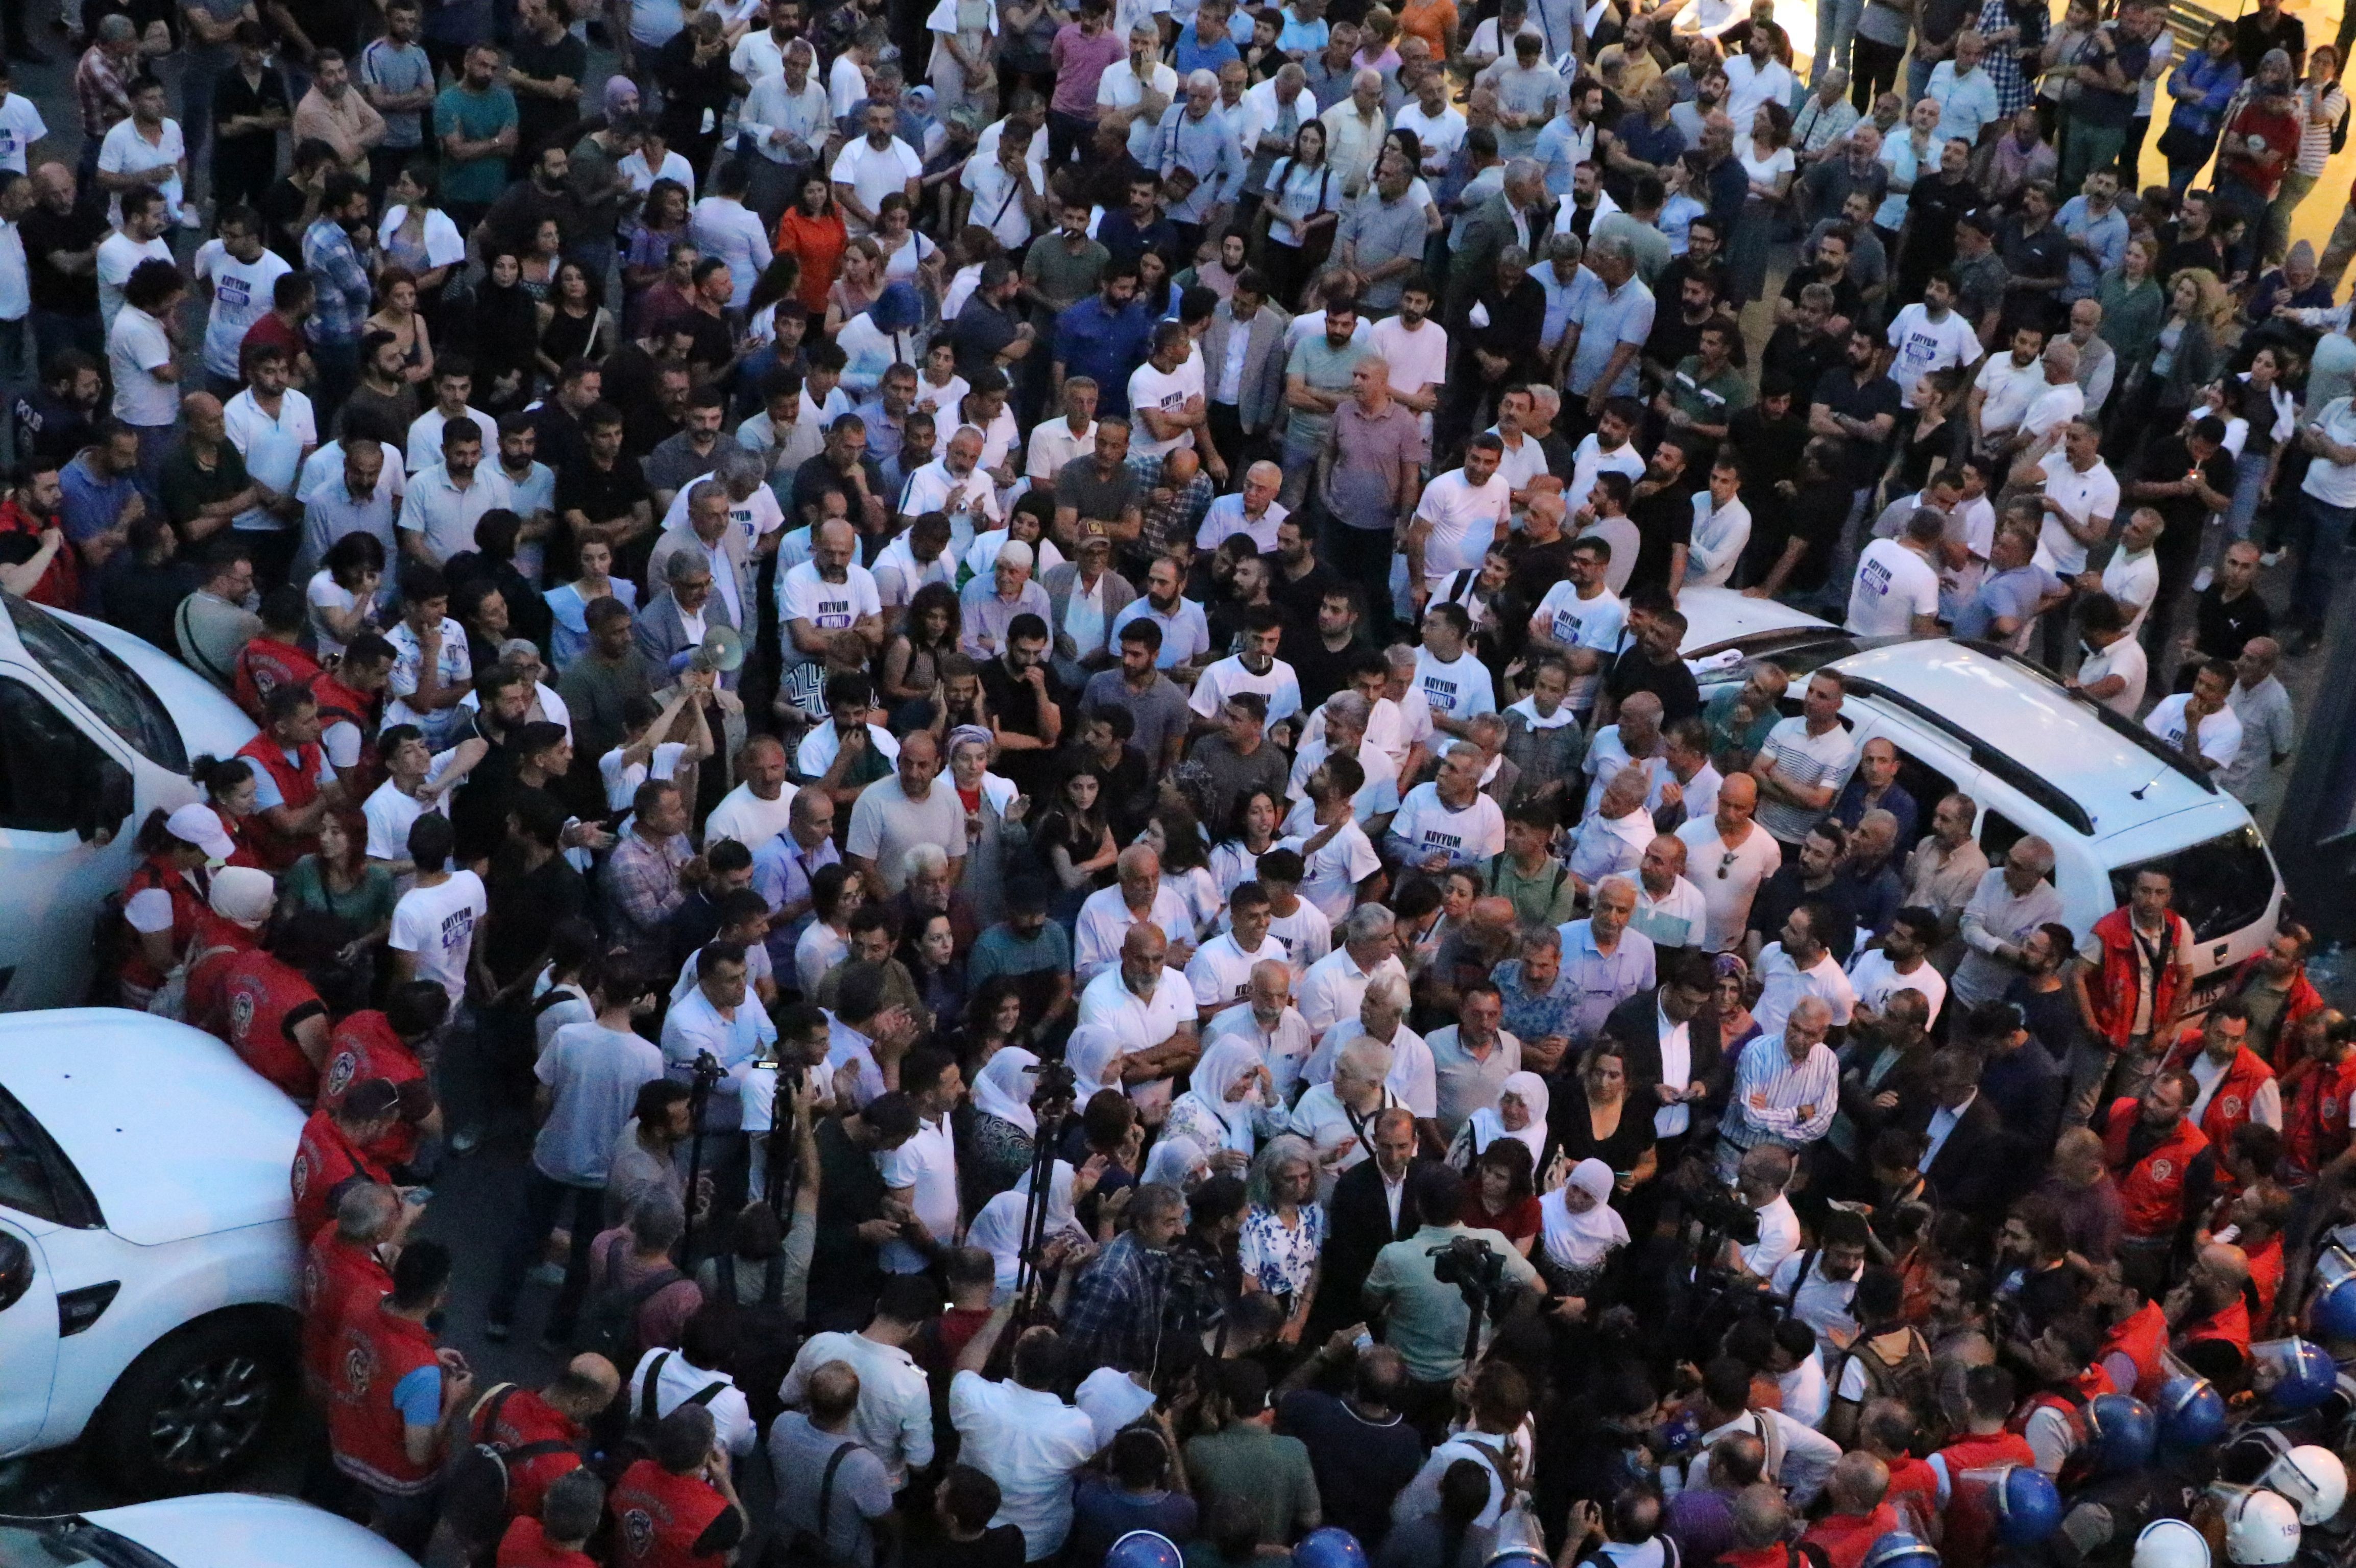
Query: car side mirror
x: 16, y: 1270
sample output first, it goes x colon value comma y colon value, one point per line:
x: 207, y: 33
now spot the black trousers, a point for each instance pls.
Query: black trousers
x: 1363, y: 558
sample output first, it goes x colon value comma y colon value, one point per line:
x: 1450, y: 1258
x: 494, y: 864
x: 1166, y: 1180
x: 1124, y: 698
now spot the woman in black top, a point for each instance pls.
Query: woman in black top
x: 1940, y: 437
x: 1073, y: 843
x: 505, y: 338
x: 250, y: 109
x: 1595, y: 1119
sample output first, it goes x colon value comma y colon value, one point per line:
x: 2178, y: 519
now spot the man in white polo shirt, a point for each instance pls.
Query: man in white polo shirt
x: 1150, y: 1010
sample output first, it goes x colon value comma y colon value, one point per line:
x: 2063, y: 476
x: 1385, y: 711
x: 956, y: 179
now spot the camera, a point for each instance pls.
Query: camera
x: 1053, y: 1080
x: 1717, y: 1209
x: 1469, y: 1264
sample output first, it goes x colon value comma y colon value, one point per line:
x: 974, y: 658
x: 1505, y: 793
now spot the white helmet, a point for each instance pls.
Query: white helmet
x: 2311, y: 1477
x: 2171, y: 1543
x: 2261, y: 1530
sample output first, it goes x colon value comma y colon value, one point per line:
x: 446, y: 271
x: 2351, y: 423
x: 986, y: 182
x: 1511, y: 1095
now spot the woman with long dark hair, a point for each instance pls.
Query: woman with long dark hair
x: 228, y: 784
x: 1073, y: 842
x: 812, y: 231
x: 577, y: 325
x: 506, y: 336
x: 912, y: 662
x: 1303, y: 208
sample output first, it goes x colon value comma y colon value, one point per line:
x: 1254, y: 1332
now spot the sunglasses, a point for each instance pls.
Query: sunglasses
x: 1723, y: 863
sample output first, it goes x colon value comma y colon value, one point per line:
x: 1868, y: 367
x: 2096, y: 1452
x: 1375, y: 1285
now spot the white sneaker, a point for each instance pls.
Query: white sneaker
x: 2200, y: 582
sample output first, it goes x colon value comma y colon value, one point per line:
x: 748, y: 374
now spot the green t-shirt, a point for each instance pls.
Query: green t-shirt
x: 1724, y: 738
x: 478, y: 117
x: 1323, y: 368
x: 1246, y: 1459
x: 1056, y: 272
x: 186, y: 487
x: 1708, y: 399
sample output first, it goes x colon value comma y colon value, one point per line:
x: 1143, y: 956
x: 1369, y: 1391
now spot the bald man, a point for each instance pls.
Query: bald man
x: 1369, y: 467
x: 204, y: 482
x: 1253, y: 510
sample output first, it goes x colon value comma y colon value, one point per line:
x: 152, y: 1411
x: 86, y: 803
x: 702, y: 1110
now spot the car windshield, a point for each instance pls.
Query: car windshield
x: 2222, y: 885
x: 62, y: 1542
x: 111, y: 690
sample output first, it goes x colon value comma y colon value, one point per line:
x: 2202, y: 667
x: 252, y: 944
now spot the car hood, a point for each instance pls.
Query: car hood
x: 232, y: 1529
x: 212, y: 1155
x: 210, y: 724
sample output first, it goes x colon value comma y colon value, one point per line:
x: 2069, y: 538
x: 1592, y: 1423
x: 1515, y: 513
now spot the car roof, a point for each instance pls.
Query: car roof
x: 237, y: 1529
x: 2119, y: 776
x: 210, y: 1154
x: 1717, y: 618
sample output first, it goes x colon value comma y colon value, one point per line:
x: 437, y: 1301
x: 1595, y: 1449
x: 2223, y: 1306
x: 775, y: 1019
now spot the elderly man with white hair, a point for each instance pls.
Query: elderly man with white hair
x: 1337, y: 1116
x: 1332, y: 988
x: 1381, y: 1019
x: 1138, y: 896
x: 987, y: 606
x: 1271, y: 1023
x: 1150, y: 1009
x: 1785, y: 1097
x: 1449, y: 822
x: 1604, y: 960
x: 1252, y: 510
x: 1355, y: 129
x: 1611, y: 841
x: 1195, y: 136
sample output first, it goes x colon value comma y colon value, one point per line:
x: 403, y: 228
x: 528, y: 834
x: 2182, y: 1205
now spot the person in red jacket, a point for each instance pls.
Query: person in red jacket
x: 2210, y: 1313
x: 331, y: 1154
x: 2236, y: 1086
x: 2321, y: 1086
x: 274, y: 656
x: 351, y: 706
x: 2275, y: 985
x: 2132, y: 984
x: 559, y: 1413
x: 1886, y: 1430
x: 2165, y: 1168
x: 167, y: 899
x: 387, y: 1045
x: 678, y: 1509
x: 1986, y: 1443
x: 263, y: 1007
x: 1859, y: 1515
x: 396, y: 1397
x: 347, y: 1264
x: 294, y: 784
x: 558, y: 1536
x: 1761, y: 1519
x: 34, y: 544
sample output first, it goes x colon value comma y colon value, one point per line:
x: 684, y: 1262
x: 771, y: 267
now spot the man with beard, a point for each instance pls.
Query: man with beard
x: 1322, y: 653
x: 1802, y: 349
x: 1662, y: 508
x: 331, y: 255
x: 1676, y: 335
x: 2165, y: 1168
x: 1791, y: 552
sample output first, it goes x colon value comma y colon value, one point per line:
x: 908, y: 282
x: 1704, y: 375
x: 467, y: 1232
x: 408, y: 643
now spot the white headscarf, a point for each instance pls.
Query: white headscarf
x: 1582, y: 1241
x: 998, y: 1228
x: 1002, y: 1089
x: 1175, y: 1162
x: 1228, y: 1059
x: 1088, y: 1053
x: 1489, y: 1125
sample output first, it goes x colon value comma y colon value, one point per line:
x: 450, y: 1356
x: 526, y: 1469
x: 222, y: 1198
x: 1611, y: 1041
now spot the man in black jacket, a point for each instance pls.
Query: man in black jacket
x: 1675, y: 1021
x: 1374, y: 1205
x: 1964, y: 1142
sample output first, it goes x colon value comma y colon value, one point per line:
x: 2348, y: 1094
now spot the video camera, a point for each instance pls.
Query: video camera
x: 1469, y: 1264
x: 1722, y: 1213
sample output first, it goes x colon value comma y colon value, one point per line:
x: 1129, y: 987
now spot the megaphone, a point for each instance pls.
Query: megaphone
x: 722, y: 649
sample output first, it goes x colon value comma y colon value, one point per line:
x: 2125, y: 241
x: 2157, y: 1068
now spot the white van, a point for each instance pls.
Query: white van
x: 2034, y: 757
x: 97, y: 729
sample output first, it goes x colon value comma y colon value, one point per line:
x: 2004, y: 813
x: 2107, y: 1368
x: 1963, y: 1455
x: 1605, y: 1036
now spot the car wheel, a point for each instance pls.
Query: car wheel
x: 194, y: 1408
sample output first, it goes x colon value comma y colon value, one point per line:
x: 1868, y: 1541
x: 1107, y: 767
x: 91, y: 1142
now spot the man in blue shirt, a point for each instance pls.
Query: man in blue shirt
x: 2097, y: 233
x: 1104, y: 337
x: 1206, y: 46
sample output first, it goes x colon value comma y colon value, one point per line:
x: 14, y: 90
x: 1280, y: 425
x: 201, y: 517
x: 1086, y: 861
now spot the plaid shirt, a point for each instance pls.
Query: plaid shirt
x: 98, y: 84
x: 642, y: 886
x: 1170, y: 524
x: 1529, y: 1016
x: 1819, y: 124
x: 344, y: 290
x: 1115, y: 1317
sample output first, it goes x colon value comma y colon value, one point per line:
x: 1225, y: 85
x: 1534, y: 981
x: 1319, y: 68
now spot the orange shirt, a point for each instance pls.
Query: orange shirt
x: 1434, y: 22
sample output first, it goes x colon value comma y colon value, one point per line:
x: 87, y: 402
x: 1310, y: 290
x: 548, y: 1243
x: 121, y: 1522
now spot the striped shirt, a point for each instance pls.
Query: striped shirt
x: 1810, y: 762
x: 1771, y: 1095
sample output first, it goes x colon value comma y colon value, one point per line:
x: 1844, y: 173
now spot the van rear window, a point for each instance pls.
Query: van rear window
x: 2222, y: 885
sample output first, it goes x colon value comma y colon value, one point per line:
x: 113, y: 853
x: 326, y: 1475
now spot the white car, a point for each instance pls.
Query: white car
x: 148, y: 1264
x: 220, y: 1529
x: 2033, y: 756
x: 97, y: 729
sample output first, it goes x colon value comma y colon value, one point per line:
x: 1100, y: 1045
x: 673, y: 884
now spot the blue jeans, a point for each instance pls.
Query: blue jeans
x: 2319, y: 572
x: 1835, y: 26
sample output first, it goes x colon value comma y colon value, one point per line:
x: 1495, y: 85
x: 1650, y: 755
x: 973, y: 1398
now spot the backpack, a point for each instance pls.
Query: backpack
x: 609, y: 1321
x: 2339, y: 130
x: 809, y: 1549
x: 475, y: 1483
x: 1910, y: 1378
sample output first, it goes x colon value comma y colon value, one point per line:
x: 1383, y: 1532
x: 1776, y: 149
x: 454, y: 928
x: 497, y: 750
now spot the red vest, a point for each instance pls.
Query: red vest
x: 525, y: 1545
x: 1913, y: 1489
x: 373, y: 1353
x: 262, y: 999
x: 525, y: 1417
x: 61, y: 584
x: 2142, y: 1338
x: 658, y: 1518
x: 1971, y: 1516
x: 2266, y: 1275
x: 1845, y: 1538
x: 216, y: 946
x: 324, y: 1161
x: 263, y: 667
x: 189, y: 912
x: 2315, y: 1122
x: 364, y: 1046
x: 2229, y: 1323
x: 2152, y: 1190
x: 2229, y: 1105
x: 298, y: 786
x: 340, y: 704
x: 2115, y: 991
x: 2302, y: 999
x: 240, y: 835
x: 337, y: 1277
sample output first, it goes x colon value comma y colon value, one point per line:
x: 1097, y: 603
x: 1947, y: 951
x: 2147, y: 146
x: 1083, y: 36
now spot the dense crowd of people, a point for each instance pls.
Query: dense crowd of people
x: 1010, y: 678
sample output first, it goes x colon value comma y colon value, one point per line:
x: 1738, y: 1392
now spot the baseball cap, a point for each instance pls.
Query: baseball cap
x: 197, y: 824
